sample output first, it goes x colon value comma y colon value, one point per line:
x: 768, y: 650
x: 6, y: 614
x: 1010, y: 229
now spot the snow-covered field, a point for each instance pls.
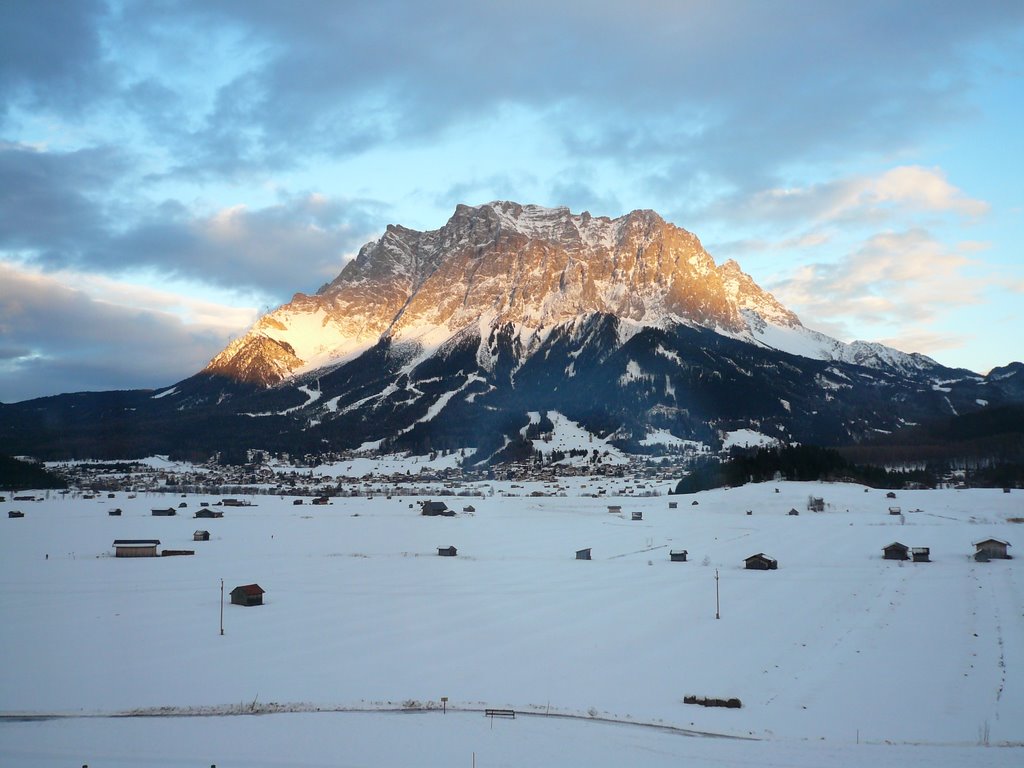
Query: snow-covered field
x: 839, y: 657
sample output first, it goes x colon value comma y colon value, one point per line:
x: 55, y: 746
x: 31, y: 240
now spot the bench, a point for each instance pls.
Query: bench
x: 510, y: 713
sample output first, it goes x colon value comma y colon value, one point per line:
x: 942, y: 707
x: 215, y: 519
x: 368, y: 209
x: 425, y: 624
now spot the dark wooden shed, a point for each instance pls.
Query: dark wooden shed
x: 991, y: 549
x: 677, y: 555
x: 435, y: 509
x: 793, y: 512
x: 169, y: 512
x: 761, y: 562
x: 15, y: 513
x: 201, y: 536
x: 209, y: 513
x: 673, y: 504
x: 638, y: 515
x: 447, y: 551
x: 135, y: 547
x: 895, y: 551
x: 247, y: 594
x: 895, y: 511
x: 583, y: 554
x: 920, y: 554
x: 116, y: 512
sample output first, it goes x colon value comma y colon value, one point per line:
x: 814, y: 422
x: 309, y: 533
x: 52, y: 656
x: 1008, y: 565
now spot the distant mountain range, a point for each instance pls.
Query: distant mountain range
x: 461, y: 337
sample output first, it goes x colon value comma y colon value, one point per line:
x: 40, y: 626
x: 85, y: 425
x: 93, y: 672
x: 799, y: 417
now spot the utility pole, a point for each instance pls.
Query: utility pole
x: 222, y: 606
x: 718, y: 613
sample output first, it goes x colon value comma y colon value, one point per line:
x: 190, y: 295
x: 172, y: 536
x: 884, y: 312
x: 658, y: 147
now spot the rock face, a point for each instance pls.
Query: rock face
x: 499, y: 264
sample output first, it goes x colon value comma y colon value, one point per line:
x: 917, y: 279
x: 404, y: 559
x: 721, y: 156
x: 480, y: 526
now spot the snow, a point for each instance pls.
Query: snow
x: 172, y: 391
x: 664, y: 437
x: 746, y: 438
x: 567, y: 435
x: 839, y: 657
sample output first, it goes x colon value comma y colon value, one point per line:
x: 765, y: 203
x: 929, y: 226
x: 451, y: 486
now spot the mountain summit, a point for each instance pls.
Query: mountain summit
x: 498, y: 264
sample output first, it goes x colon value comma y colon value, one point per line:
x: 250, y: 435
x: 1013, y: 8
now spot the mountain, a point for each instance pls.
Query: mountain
x: 465, y: 336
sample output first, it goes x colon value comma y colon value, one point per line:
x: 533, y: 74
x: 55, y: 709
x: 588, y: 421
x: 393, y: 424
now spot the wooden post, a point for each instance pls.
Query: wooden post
x: 222, y: 606
x: 718, y: 614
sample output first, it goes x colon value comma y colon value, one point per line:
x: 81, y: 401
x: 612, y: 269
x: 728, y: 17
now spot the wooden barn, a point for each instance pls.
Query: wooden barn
x: 169, y: 512
x: 890, y: 495
x: 673, y: 504
x: 920, y: 554
x: 14, y: 513
x: 638, y: 515
x: 469, y: 508
x: 677, y: 555
x: 435, y: 509
x: 116, y: 512
x: 209, y: 513
x: 135, y: 547
x: 447, y: 551
x: 201, y: 536
x: 583, y: 554
x: 247, y: 594
x: 991, y: 549
x: 614, y: 509
x: 895, y: 511
x: 793, y: 512
x: 761, y: 562
x: 896, y: 551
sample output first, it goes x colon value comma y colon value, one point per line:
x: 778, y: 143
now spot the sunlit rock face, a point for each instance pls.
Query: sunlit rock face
x: 497, y: 265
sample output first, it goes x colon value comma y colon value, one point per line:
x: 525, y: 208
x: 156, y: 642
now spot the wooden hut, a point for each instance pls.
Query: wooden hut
x: 447, y: 551
x: 895, y: 511
x: 583, y: 554
x: 673, y: 504
x: 435, y: 509
x: 920, y: 554
x: 614, y: 509
x: 793, y: 512
x: 14, y: 513
x: 895, y: 551
x: 761, y: 562
x: 677, y: 555
x: 638, y: 515
x: 890, y: 495
x: 247, y: 594
x: 201, y: 536
x: 469, y: 508
x: 135, y: 547
x: 991, y: 549
x: 209, y: 513
x: 169, y: 512
x: 116, y: 512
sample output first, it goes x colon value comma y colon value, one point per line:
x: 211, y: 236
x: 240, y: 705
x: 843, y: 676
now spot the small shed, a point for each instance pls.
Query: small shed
x: 614, y: 509
x: 895, y: 551
x: 583, y: 554
x: 116, y: 512
x: 169, y: 512
x: 895, y: 511
x: 15, y: 513
x: 183, y: 505
x: 247, y: 594
x: 321, y: 501
x: 209, y: 513
x: 1006, y: 490
x: 638, y: 515
x: 435, y: 509
x: 135, y: 547
x: 677, y: 555
x: 447, y: 551
x: 890, y: 495
x: 793, y: 512
x: 991, y: 549
x: 673, y: 504
x: 920, y: 554
x: 201, y: 536
x: 469, y: 508
x: 761, y: 562
x: 694, y: 503
x: 297, y: 503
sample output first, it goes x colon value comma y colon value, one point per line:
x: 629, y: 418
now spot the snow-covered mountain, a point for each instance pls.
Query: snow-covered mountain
x: 487, y: 334
x: 536, y: 269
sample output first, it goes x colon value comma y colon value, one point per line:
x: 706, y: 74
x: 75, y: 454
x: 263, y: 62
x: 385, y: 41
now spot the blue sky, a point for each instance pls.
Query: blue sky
x: 170, y: 169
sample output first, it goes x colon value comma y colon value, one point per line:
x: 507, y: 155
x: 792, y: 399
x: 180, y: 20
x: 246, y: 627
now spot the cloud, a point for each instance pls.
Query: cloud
x: 55, y: 338
x: 904, y: 280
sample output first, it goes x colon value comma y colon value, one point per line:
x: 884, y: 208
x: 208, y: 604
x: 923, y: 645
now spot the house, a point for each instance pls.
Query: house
x: 135, y: 547
x: 447, y: 551
x: 637, y: 515
x: 201, y: 536
x: 890, y: 495
x: 761, y: 562
x: 247, y: 594
x: 991, y: 549
x: 183, y: 505
x: 435, y: 509
x: 235, y: 503
x: 583, y: 554
x: 15, y: 513
x: 169, y: 512
x: 920, y: 554
x: 895, y: 511
x: 469, y: 508
x: 677, y: 555
x: 614, y: 509
x: 114, y: 512
x: 209, y: 513
x: 793, y: 512
x: 895, y: 551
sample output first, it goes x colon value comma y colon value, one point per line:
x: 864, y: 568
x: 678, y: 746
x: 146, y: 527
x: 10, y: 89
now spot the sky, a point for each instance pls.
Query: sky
x: 171, y: 169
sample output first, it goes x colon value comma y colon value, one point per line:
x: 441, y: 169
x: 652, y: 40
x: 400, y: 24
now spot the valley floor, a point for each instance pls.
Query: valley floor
x: 838, y: 656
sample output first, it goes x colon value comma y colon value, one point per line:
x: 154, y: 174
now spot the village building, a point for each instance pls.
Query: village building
x: 677, y: 555
x: 247, y: 594
x: 761, y: 562
x: 815, y: 504
x: 896, y: 551
x: 135, y: 547
x: 991, y: 549
x: 447, y: 551
x: 209, y: 513
x: 201, y: 536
